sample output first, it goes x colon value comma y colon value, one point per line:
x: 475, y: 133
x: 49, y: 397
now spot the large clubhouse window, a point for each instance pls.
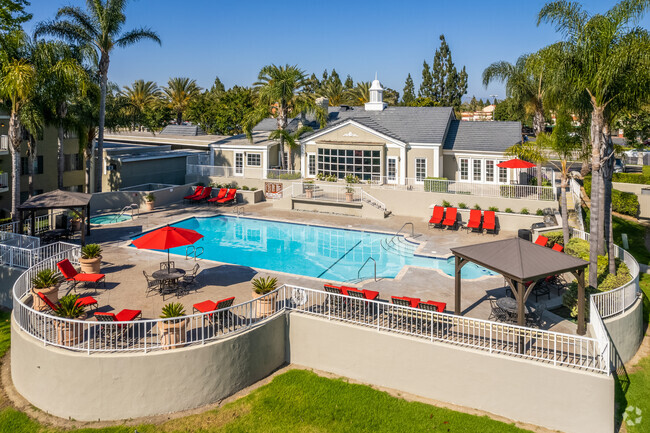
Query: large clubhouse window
x: 420, y: 169
x: 489, y: 170
x: 340, y: 162
x: 254, y: 159
x: 464, y: 169
x: 477, y: 163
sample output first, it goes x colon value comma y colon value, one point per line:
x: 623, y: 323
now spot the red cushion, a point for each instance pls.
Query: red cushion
x: 90, y: 278
x: 331, y: 286
x: 345, y: 289
x: 205, y: 306
x: 127, y: 315
x: 414, y: 301
x: 370, y: 294
x: 66, y: 268
x: 86, y: 301
x: 441, y: 305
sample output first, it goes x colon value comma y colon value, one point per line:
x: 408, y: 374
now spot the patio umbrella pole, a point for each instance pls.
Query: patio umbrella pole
x: 168, y: 260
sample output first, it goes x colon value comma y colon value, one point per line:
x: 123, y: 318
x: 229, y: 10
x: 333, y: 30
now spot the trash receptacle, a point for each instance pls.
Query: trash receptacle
x: 525, y: 234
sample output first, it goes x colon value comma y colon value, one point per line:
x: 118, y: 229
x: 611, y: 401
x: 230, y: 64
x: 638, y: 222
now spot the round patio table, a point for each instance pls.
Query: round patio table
x: 168, y: 277
x: 510, y: 305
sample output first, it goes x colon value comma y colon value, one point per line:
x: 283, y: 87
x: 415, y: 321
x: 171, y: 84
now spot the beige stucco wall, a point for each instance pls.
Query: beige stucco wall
x: 558, y: 398
x: 419, y: 153
x: 449, y: 167
x: 118, y: 386
x: 116, y: 200
x: 355, y: 135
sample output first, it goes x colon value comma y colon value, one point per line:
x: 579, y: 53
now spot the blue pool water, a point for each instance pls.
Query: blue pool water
x: 109, y: 218
x: 313, y: 251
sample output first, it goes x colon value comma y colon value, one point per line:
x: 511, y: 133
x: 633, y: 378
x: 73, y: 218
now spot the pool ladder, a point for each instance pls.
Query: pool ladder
x: 364, y: 264
x: 131, y: 207
x: 192, y: 251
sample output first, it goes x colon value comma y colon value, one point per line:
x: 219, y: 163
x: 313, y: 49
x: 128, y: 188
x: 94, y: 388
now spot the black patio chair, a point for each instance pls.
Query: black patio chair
x: 334, y: 303
x: 535, y: 316
x: 164, y: 265
x: 153, y: 285
x: 497, y: 313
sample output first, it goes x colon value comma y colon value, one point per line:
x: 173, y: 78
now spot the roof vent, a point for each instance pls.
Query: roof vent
x: 376, y: 97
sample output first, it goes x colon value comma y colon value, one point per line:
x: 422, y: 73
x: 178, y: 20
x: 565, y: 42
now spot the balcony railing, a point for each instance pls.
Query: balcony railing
x: 324, y: 192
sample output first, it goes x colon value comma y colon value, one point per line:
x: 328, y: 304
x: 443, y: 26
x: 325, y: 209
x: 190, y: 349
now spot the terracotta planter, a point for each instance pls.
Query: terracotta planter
x: 349, y: 196
x: 149, y: 205
x: 70, y: 333
x: 51, y: 293
x: 264, y: 307
x: 76, y: 225
x: 172, y: 333
x: 309, y: 193
x: 91, y: 266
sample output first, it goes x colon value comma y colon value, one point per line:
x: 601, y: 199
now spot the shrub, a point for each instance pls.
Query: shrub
x: 626, y: 203
x: 173, y: 309
x: 253, y: 189
x: 149, y: 197
x: 577, y: 247
x: 350, y: 178
x: 69, y: 308
x: 477, y: 207
x: 45, y: 278
x: 91, y: 251
x: 263, y: 285
x: 646, y: 170
x: 524, y: 211
x: 445, y: 203
x: 245, y: 188
x: 556, y: 237
x: 637, y: 178
x: 493, y: 209
x: 436, y: 184
x: 539, y: 212
x: 509, y: 210
x: 462, y: 205
x: 5, y: 220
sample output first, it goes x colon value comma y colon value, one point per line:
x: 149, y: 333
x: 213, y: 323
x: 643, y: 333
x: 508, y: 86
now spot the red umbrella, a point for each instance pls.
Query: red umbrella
x: 167, y: 237
x: 516, y: 163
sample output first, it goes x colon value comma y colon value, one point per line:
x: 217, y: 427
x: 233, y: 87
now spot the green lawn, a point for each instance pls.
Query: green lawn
x: 296, y: 401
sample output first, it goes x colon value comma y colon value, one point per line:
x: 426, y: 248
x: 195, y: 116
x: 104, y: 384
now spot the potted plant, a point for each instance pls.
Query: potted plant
x: 349, y: 193
x: 172, y: 332
x: 75, y: 224
x: 70, y: 333
x: 261, y: 287
x: 47, y: 282
x: 309, y: 188
x: 91, y: 258
x: 150, y: 201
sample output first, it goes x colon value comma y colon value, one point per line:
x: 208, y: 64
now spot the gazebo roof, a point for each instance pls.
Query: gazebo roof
x: 57, y: 199
x: 519, y: 259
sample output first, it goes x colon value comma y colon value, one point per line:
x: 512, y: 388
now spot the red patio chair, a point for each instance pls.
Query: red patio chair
x: 196, y: 193
x: 541, y: 240
x: 123, y: 316
x: 450, y: 218
x: 489, y: 221
x: 437, y: 217
x: 221, y: 194
x: 474, y: 223
x: 86, y: 301
x: 558, y: 247
x: 209, y: 306
x: 204, y: 195
x: 231, y: 197
x: 73, y: 277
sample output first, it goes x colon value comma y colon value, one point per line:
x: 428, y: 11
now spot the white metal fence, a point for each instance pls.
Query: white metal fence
x: 323, y: 192
x: 27, y: 257
x: 42, y: 224
x: 528, y: 192
x: 276, y: 173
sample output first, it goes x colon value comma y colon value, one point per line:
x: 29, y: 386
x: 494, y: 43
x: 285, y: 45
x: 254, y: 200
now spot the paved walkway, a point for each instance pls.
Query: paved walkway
x: 126, y: 284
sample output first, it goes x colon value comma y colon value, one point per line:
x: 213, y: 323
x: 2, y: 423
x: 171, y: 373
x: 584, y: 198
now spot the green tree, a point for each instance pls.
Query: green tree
x: 218, y: 86
x: 334, y: 92
x: 607, y: 56
x: 222, y: 113
x: 179, y: 94
x: 360, y: 94
x: 280, y: 93
x: 409, y: 91
x: 291, y: 140
x: 349, y: 83
x: 99, y: 27
x: 636, y: 126
x: 448, y: 85
x: 140, y: 96
x: 334, y: 78
x: 426, y: 86
x: 84, y: 115
x: 13, y: 15
x: 391, y: 96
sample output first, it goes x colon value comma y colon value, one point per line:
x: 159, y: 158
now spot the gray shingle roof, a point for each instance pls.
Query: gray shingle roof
x: 482, y: 136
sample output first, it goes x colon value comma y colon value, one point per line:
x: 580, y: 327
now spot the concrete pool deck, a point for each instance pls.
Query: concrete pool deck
x: 125, y: 287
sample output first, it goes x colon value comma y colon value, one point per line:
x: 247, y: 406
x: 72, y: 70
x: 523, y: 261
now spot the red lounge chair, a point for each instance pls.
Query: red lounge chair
x: 196, y: 193
x: 541, y: 240
x: 437, y: 217
x: 329, y: 288
x: 221, y: 194
x: 440, y: 306
x: 86, y: 301
x: 370, y: 294
x: 489, y: 221
x: 122, y: 316
x: 450, y: 218
x: 474, y: 223
x: 558, y: 247
x: 73, y: 277
x: 209, y: 306
x: 230, y: 197
x: 412, y: 302
x: 205, y: 194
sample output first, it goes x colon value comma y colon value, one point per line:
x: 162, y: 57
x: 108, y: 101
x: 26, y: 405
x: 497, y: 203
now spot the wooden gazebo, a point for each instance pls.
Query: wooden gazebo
x: 77, y: 202
x: 521, y: 261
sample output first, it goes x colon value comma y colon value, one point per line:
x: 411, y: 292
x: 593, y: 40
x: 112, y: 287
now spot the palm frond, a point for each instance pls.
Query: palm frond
x: 137, y: 35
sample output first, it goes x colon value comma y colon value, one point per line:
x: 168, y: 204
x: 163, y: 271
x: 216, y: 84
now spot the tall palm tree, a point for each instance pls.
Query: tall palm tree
x: 280, y: 92
x: 179, y: 93
x: 101, y: 28
x: 290, y: 139
x: 605, y: 55
x: 334, y: 92
x: 360, y: 94
x: 140, y: 96
x: 33, y: 123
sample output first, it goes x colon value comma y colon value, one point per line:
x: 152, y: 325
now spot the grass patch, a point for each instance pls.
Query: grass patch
x: 637, y: 395
x: 5, y: 332
x: 635, y: 236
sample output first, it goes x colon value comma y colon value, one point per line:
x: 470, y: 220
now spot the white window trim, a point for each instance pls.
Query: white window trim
x: 495, y: 171
x: 415, y: 169
x: 460, y: 170
x: 396, y: 177
x: 252, y: 165
x: 243, y: 163
x: 481, y: 161
x: 309, y: 174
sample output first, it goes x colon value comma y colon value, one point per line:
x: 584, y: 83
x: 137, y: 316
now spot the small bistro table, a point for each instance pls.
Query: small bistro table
x: 168, y: 277
x: 509, y: 305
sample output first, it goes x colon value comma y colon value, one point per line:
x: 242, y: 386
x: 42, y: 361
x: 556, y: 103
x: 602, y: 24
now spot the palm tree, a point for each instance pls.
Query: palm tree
x: 280, y: 92
x: 140, y: 96
x: 360, y: 94
x: 179, y: 93
x: 99, y: 27
x: 606, y: 57
x: 334, y: 92
x: 290, y: 139
x: 33, y: 122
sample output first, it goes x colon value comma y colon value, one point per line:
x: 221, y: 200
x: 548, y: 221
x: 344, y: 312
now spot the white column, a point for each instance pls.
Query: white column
x: 402, y: 165
x: 303, y: 164
x: 265, y: 163
x: 436, y: 161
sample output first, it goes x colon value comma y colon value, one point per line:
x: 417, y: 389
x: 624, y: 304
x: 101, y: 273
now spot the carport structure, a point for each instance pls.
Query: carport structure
x: 520, y: 261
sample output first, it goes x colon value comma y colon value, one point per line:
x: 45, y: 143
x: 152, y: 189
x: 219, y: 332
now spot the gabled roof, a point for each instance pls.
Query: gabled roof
x: 57, y: 199
x: 519, y: 259
x: 482, y: 136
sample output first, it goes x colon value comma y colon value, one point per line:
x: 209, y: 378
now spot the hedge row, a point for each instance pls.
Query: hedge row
x: 626, y: 203
x: 637, y: 178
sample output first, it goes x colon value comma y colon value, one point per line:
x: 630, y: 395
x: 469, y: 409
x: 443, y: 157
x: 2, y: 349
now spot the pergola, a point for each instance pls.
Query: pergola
x: 521, y: 261
x: 77, y: 202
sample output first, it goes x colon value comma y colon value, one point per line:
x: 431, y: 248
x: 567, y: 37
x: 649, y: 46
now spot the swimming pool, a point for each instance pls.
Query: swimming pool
x: 313, y: 251
x: 109, y: 218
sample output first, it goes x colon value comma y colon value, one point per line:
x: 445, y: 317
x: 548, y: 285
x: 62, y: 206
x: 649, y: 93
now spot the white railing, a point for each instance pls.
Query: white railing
x: 210, y: 170
x: 528, y: 192
x: 577, y: 201
x: 28, y: 257
x: 324, y: 192
x: 19, y: 240
x: 373, y: 201
x: 600, y: 332
x: 42, y: 224
x: 4, y: 143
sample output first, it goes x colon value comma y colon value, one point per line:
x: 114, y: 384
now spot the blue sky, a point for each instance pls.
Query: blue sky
x: 234, y: 39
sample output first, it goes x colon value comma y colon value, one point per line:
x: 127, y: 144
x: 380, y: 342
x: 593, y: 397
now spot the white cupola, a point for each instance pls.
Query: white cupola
x: 376, y: 97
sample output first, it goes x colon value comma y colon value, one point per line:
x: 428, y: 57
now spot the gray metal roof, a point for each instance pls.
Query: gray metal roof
x: 482, y: 136
x: 260, y: 138
x: 519, y: 259
x: 56, y: 199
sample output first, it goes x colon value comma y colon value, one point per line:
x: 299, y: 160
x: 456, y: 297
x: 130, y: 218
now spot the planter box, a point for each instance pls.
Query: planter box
x: 90, y: 266
x: 51, y: 293
x: 265, y: 307
x: 172, y: 334
x: 250, y: 197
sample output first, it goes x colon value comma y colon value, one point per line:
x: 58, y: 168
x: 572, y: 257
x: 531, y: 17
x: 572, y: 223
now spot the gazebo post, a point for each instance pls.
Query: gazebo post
x: 32, y: 223
x: 459, y: 263
x: 83, y: 224
x: 580, y: 276
x: 88, y: 219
